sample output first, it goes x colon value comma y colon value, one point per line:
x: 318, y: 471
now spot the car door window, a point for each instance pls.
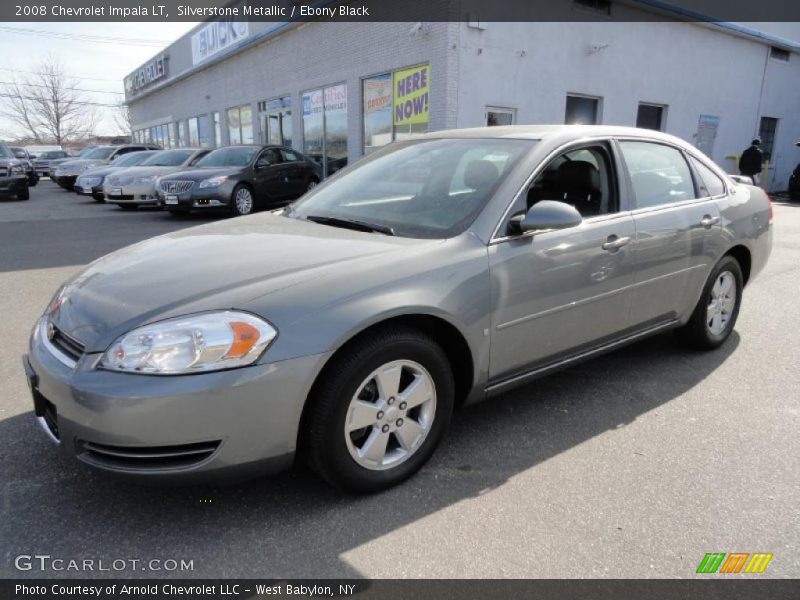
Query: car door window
x: 289, y: 156
x: 582, y: 177
x: 198, y: 157
x: 270, y: 156
x: 659, y: 173
x: 709, y: 182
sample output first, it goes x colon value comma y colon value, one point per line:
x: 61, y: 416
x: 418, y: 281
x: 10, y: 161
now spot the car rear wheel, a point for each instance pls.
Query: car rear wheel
x: 379, y: 410
x: 312, y: 184
x: 242, y: 201
x: 716, y: 312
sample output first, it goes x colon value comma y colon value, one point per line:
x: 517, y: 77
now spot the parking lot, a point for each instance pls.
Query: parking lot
x: 633, y: 465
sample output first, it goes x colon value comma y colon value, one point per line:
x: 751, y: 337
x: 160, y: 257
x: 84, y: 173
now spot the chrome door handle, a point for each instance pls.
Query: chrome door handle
x: 615, y: 243
x: 707, y: 221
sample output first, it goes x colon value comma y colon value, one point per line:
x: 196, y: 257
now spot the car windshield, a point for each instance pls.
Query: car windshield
x: 423, y: 188
x: 233, y: 156
x: 133, y: 158
x: 168, y: 158
x: 5, y: 152
x: 99, y: 153
x: 53, y: 154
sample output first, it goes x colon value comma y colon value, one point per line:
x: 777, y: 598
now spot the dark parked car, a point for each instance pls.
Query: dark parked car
x: 241, y: 178
x: 67, y: 172
x: 42, y: 162
x: 23, y: 155
x: 794, y: 182
x: 13, y: 179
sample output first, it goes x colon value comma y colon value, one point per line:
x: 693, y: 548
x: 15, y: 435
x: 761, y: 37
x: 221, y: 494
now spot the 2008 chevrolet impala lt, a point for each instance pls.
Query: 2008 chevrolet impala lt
x: 435, y: 272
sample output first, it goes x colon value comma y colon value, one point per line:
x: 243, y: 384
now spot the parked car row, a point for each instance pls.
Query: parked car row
x: 14, y: 179
x: 239, y: 178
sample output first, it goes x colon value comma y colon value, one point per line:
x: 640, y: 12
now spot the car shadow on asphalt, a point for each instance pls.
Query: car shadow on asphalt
x: 293, y: 525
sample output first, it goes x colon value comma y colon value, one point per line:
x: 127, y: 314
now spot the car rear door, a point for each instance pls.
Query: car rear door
x: 677, y: 226
x: 559, y: 293
x: 295, y: 173
x: 270, y: 176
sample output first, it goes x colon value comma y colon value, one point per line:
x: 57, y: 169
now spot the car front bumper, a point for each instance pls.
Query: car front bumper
x: 226, y: 425
x: 65, y: 181
x: 90, y: 188
x: 10, y: 186
x: 197, y: 198
x: 131, y: 194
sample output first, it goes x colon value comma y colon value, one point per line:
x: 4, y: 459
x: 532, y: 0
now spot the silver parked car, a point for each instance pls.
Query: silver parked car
x: 437, y: 271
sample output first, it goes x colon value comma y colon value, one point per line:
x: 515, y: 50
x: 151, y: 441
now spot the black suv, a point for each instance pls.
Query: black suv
x: 13, y: 179
x: 240, y: 178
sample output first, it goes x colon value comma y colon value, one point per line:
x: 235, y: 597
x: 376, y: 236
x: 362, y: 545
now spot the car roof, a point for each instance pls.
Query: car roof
x: 552, y: 131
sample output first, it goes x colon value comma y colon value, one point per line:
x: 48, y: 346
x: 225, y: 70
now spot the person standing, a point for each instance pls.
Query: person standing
x: 751, y: 160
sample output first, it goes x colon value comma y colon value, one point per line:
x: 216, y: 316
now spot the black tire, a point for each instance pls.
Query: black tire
x: 696, y: 333
x: 99, y: 199
x: 236, y: 211
x: 128, y: 206
x: 323, y: 442
x: 24, y: 195
x: 312, y: 183
x: 177, y: 213
x: 32, y: 181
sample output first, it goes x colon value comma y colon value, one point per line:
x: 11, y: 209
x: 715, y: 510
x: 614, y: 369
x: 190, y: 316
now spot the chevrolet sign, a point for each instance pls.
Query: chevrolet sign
x: 149, y: 73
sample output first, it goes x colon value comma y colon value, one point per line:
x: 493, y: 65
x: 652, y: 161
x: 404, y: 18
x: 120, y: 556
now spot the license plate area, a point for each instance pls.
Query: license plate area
x: 116, y: 192
x: 170, y: 199
x: 42, y: 407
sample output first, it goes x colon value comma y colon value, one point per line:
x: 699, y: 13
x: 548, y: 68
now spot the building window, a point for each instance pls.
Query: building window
x: 217, y: 125
x: 181, y: 127
x: 240, y: 124
x: 650, y: 116
x: 582, y: 110
x: 599, y: 6
x: 275, y: 120
x: 325, y: 127
x: 500, y: 116
x: 779, y: 54
x: 395, y: 105
x: 766, y: 131
x: 194, y: 132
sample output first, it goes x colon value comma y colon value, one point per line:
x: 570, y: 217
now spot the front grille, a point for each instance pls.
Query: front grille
x: 66, y: 344
x: 3, y: 172
x: 89, y: 181
x: 41, y: 164
x: 120, y: 196
x: 146, y: 458
x: 175, y: 186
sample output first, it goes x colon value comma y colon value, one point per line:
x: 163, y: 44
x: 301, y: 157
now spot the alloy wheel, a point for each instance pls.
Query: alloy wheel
x: 244, y: 201
x: 390, y: 415
x: 721, y: 303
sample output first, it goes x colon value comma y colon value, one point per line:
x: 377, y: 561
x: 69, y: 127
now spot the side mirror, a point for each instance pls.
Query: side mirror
x: 546, y: 214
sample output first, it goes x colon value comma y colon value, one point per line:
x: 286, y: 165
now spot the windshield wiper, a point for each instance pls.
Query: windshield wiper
x: 351, y: 224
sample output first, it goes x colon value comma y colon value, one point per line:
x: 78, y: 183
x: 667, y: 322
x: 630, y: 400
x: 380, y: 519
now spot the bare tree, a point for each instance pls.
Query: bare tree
x: 122, y: 118
x: 49, y: 105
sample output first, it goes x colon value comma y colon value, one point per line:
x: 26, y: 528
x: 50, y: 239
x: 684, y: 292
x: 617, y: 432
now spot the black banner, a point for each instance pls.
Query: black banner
x: 437, y: 589
x: 399, y: 10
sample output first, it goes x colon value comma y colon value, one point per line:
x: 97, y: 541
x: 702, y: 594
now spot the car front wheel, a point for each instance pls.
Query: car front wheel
x: 716, y: 312
x: 242, y: 201
x: 379, y: 410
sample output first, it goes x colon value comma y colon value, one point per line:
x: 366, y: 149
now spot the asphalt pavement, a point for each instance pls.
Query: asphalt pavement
x: 635, y: 464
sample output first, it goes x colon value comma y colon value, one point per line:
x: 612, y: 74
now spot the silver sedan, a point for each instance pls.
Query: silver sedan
x: 435, y: 272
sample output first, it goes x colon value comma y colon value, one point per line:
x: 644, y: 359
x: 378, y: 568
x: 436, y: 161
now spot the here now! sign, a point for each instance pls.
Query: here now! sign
x: 411, y: 89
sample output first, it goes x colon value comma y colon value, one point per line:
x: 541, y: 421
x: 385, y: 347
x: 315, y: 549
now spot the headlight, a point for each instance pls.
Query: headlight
x: 213, y: 181
x: 144, y: 180
x: 17, y: 169
x: 191, y: 344
x: 83, y: 168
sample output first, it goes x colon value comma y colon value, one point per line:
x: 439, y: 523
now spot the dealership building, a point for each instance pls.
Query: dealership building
x: 338, y: 90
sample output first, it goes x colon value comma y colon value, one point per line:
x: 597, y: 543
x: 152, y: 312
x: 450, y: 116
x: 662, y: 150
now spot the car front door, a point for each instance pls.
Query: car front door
x: 558, y: 293
x: 677, y: 225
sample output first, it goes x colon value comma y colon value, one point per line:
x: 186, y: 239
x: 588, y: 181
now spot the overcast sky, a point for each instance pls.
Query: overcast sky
x: 98, y: 66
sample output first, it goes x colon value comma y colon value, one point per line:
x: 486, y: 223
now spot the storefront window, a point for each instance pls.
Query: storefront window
x: 325, y: 127
x: 275, y: 119
x: 217, y: 129
x: 240, y: 124
x: 396, y: 106
x: 171, y: 135
x: 194, y: 132
x: 181, y: 134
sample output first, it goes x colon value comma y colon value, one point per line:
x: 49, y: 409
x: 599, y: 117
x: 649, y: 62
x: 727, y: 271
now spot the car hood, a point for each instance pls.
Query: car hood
x: 152, y: 170
x: 228, y: 264
x: 103, y: 170
x: 10, y: 162
x: 72, y: 164
x: 200, y: 173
